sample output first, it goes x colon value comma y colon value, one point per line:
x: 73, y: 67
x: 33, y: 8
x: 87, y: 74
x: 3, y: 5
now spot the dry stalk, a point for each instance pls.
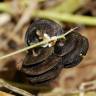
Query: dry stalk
x: 14, y: 89
x: 39, y: 44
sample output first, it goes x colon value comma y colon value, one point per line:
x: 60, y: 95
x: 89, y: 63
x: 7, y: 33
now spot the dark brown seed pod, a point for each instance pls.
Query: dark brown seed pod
x: 85, y: 46
x: 46, y: 65
x: 38, y: 31
x: 44, y: 71
x: 43, y: 64
x: 75, y: 56
x: 33, y: 60
x: 74, y: 63
x: 63, y: 47
x: 42, y: 67
x: 47, y: 76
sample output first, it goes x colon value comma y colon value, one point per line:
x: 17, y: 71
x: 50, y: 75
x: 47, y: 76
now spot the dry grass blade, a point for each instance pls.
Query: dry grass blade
x: 14, y: 89
x: 39, y: 44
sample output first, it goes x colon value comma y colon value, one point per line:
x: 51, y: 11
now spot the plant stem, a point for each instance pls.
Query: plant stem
x: 68, y: 6
x: 39, y: 44
x: 78, y: 19
x: 14, y: 89
x: 5, y: 7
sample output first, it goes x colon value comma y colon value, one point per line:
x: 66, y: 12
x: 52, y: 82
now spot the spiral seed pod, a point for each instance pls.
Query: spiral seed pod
x: 43, y: 64
x: 44, y: 71
x: 38, y: 31
x: 73, y: 50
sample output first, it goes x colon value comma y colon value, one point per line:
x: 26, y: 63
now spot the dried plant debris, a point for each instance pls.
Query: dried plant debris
x: 41, y: 70
x: 6, y: 85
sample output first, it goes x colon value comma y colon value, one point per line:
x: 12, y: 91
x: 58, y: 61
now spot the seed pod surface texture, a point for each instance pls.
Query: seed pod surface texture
x: 43, y: 64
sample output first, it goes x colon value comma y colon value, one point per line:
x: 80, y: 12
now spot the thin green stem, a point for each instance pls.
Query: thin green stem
x: 24, y: 49
x: 68, y: 6
x: 5, y: 7
x: 78, y: 19
x: 38, y: 44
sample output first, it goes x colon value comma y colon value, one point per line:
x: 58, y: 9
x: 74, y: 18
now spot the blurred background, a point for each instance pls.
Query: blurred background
x: 17, y: 15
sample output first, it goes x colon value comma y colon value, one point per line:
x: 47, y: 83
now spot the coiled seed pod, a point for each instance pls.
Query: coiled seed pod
x: 43, y: 64
x: 38, y: 31
x: 73, y: 49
